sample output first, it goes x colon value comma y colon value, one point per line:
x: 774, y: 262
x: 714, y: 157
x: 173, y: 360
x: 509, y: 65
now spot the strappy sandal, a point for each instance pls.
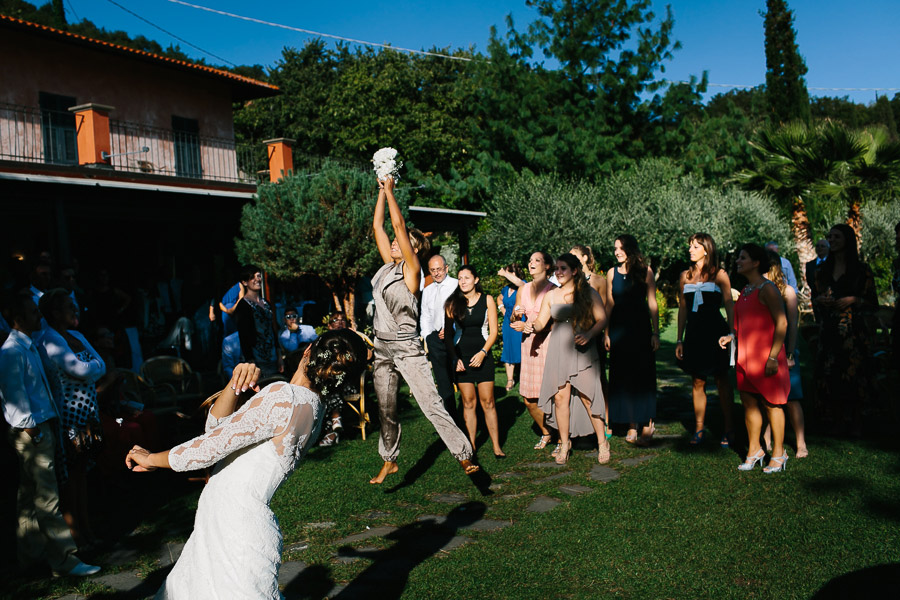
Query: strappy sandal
x: 556, y: 450
x: 330, y: 439
x: 603, y: 454
x: 542, y: 442
x: 468, y: 466
x: 563, y: 457
x: 698, y: 437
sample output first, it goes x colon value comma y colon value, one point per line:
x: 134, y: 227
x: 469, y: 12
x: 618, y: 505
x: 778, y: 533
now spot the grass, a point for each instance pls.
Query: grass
x: 685, y: 524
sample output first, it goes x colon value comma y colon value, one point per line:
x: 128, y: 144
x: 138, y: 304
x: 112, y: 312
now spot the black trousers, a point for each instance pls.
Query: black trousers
x: 443, y: 374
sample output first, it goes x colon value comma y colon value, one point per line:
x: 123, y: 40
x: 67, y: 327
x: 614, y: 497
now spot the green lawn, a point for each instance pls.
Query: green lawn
x: 683, y: 524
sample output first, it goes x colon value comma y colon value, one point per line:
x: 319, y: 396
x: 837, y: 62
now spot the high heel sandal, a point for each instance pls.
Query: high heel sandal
x: 782, y: 463
x: 751, y: 461
x: 563, y: 456
x: 542, y: 442
x: 555, y: 452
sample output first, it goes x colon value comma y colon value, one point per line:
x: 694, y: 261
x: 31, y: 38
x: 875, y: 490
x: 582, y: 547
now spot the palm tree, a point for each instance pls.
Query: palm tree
x: 826, y: 160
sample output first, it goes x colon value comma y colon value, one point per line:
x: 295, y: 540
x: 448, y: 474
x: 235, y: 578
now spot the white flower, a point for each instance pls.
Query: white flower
x: 386, y: 164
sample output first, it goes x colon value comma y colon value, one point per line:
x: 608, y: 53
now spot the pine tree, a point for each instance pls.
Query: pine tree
x: 785, y: 68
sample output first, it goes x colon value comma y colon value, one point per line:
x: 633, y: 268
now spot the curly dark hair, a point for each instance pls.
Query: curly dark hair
x: 336, y: 360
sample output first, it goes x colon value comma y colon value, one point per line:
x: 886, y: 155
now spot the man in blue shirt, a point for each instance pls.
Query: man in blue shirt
x: 29, y: 409
x: 294, y: 333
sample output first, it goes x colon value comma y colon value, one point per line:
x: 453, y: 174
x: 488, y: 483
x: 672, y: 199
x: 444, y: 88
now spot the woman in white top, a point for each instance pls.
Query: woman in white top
x: 73, y: 368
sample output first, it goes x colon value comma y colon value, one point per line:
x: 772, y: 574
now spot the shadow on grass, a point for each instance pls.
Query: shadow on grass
x: 314, y: 582
x: 148, y: 587
x: 852, y: 585
x: 481, y: 479
x: 387, y: 576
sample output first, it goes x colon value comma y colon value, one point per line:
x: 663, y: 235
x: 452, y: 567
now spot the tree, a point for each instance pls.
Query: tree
x: 315, y: 223
x: 785, y: 68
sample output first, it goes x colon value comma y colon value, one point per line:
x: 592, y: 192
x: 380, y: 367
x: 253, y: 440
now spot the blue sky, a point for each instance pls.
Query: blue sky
x: 845, y: 44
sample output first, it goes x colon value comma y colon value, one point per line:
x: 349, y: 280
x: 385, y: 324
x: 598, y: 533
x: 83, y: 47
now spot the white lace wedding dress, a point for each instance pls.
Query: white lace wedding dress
x: 235, y: 549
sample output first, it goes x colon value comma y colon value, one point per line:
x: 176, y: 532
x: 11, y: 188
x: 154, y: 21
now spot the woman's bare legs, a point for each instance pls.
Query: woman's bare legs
x: 726, y: 401
x: 775, y: 415
x: 561, y: 403
x: 486, y: 399
x: 795, y: 412
x: 469, y: 402
x: 753, y: 420
x: 510, y: 375
x: 698, y: 395
x: 599, y: 426
x: 537, y: 414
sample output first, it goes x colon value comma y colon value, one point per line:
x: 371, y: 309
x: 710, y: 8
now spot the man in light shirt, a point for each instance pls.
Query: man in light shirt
x: 786, y: 266
x: 28, y: 407
x: 431, y: 322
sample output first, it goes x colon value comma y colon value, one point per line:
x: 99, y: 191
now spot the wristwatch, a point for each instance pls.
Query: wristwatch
x: 38, y: 438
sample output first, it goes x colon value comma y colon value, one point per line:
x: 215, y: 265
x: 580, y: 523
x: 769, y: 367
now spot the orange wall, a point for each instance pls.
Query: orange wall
x: 140, y: 91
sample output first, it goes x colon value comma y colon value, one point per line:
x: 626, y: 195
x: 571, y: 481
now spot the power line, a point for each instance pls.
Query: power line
x: 182, y: 40
x: 72, y: 8
x: 318, y: 33
x: 818, y: 89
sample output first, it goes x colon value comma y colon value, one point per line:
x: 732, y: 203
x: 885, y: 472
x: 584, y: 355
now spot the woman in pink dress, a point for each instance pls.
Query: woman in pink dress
x: 762, y: 369
x: 525, y: 313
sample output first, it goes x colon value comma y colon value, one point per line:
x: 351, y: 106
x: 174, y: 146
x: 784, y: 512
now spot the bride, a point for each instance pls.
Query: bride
x: 235, y: 549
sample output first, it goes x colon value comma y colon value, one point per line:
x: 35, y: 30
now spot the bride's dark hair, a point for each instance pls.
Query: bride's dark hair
x: 335, y: 361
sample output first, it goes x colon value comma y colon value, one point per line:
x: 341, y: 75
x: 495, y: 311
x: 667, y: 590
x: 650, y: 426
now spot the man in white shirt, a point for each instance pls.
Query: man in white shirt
x: 431, y: 322
x: 785, y: 266
x: 29, y: 409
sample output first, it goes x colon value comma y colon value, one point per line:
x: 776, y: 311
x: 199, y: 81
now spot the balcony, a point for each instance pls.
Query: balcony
x: 32, y: 135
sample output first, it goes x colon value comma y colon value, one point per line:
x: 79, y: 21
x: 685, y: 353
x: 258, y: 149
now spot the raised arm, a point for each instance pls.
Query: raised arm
x: 511, y: 277
x: 412, y: 273
x: 230, y: 309
x: 381, y: 237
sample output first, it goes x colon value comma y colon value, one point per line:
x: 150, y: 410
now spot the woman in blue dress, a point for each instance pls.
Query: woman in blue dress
x: 703, y: 290
x: 512, y: 339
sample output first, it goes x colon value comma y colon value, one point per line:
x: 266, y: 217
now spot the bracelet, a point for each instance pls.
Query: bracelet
x: 775, y: 359
x: 483, y: 350
x: 678, y: 342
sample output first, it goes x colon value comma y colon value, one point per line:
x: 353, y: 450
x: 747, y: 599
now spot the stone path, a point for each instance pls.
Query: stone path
x: 429, y: 535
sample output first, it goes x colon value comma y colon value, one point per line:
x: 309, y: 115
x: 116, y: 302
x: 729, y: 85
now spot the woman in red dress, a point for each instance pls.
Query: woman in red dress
x: 762, y: 370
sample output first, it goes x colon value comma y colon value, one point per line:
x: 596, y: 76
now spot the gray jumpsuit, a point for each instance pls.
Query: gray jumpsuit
x: 399, y: 351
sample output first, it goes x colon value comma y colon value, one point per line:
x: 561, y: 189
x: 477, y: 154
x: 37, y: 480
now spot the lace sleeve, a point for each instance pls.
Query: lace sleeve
x: 267, y: 412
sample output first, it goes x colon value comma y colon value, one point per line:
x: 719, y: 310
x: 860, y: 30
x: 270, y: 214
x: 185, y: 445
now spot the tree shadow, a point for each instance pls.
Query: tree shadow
x: 388, y: 574
x: 851, y: 585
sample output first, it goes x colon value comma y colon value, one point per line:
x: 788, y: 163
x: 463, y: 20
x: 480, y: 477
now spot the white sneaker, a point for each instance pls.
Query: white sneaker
x: 81, y: 570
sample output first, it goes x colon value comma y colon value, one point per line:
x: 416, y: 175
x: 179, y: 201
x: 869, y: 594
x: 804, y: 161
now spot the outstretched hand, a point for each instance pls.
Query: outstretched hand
x: 138, y: 460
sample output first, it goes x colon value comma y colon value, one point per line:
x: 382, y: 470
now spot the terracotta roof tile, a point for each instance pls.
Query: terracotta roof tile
x: 269, y: 88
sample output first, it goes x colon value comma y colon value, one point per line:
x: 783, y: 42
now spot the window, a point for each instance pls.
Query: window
x: 58, y: 126
x: 187, y: 147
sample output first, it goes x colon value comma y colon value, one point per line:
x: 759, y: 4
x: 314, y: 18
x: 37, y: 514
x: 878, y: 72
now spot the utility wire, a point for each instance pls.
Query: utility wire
x: 318, y: 33
x: 72, y: 8
x: 182, y: 40
x: 818, y: 89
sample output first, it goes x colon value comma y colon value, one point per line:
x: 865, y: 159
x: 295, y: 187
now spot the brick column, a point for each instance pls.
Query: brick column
x: 281, y: 158
x: 92, y: 128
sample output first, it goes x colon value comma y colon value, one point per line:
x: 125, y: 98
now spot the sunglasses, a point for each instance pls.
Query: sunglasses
x: 292, y: 317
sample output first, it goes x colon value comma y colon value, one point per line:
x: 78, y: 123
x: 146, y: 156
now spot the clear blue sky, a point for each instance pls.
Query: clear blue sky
x: 845, y: 44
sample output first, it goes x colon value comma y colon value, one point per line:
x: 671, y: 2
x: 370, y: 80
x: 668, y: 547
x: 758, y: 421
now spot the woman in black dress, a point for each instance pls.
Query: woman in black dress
x: 470, y: 330
x: 703, y: 290
x: 632, y: 339
x: 846, y: 296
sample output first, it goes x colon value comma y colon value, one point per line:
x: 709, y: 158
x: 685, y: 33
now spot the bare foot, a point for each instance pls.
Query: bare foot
x: 802, y: 452
x: 468, y: 466
x: 386, y: 469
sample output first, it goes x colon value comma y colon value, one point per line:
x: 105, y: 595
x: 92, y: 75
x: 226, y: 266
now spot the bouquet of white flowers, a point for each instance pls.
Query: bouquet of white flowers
x: 386, y: 164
